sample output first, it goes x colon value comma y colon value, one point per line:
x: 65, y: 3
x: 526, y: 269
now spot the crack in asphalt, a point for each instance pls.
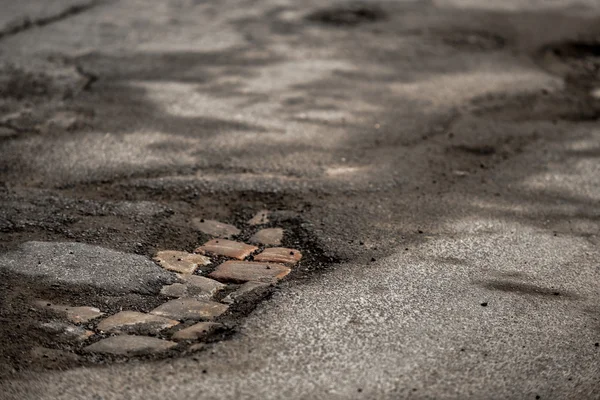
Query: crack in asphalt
x: 28, y: 23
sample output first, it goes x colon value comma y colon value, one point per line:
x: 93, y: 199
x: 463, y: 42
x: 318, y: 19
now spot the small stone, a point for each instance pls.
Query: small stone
x: 228, y: 248
x: 202, y: 284
x: 279, y: 255
x: 180, y: 261
x: 261, y: 218
x: 128, y: 320
x: 182, y: 309
x: 195, y: 332
x: 76, y: 315
x: 244, y: 271
x: 484, y: 304
x: 245, y: 290
x: 269, y: 236
x: 130, y: 345
x: 215, y: 228
x: 68, y: 331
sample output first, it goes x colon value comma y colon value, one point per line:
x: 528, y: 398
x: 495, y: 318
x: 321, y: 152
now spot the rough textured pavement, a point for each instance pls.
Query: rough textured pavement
x: 443, y: 154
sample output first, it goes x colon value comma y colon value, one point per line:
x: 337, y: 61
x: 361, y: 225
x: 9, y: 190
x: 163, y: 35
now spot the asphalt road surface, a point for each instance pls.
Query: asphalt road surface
x: 436, y: 162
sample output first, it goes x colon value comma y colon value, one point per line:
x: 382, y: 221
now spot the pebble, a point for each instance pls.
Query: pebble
x: 197, y: 331
x: 68, y: 331
x: 261, y: 218
x: 269, y: 236
x: 130, y: 345
x: 192, y: 309
x: 215, y: 228
x: 244, y: 271
x: 180, y: 261
x: 76, y: 315
x: 227, y: 248
x: 126, y: 320
x: 279, y: 255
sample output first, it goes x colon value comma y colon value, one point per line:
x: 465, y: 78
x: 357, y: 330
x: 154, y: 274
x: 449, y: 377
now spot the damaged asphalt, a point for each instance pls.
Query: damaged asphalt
x: 426, y: 157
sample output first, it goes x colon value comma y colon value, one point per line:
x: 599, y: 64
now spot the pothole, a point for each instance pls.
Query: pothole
x: 219, y: 289
x: 348, y: 15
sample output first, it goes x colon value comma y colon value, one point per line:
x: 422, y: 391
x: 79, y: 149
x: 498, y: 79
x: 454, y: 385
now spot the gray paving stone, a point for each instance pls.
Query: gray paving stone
x: 129, y: 320
x: 130, y: 345
x: 245, y: 290
x: 197, y: 331
x: 78, y: 263
x: 74, y: 314
x: 190, y: 309
x: 68, y: 331
x: 260, y: 218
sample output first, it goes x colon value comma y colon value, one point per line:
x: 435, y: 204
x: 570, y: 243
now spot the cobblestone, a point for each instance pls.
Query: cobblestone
x: 128, y: 320
x: 269, y: 236
x: 197, y: 331
x: 227, y: 248
x: 261, y: 218
x: 180, y: 261
x: 74, y: 314
x: 244, y: 271
x: 190, y: 309
x: 130, y: 345
x: 279, y: 255
x: 215, y: 228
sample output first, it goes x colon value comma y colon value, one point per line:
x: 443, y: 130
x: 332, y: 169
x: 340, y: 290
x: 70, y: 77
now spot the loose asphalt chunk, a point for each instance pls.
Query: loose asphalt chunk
x: 127, y: 320
x: 261, y: 218
x: 269, y: 236
x: 279, y: 255
x: 180, y: 261
x: 74, y: 314
x: 215, y: 228
x: 197, y: 331
x: 68, y: 331
x: 244, y: 271
x: 228, y: 248
x: 78, y: 263
x: 190, y: 309
x: 130, y: 345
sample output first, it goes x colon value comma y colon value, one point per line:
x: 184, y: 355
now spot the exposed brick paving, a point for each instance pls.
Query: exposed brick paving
x: 260, y: 218
x: 268, y: 236
x: 190, y: 309
x: 215, y: 228
x: 227, y: 248
x: 74, y: 314
x: 180, y: 261
x: 193, y: 296
x: 244, y: 271
x: 197, y: 331
x: 127, y: 320
x: 130, y: 345
x: 279, y: 255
